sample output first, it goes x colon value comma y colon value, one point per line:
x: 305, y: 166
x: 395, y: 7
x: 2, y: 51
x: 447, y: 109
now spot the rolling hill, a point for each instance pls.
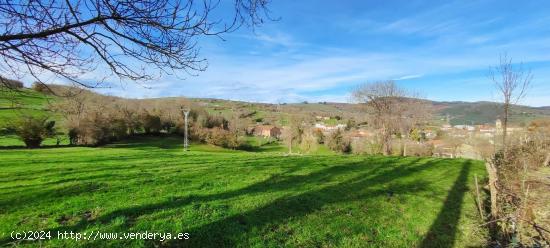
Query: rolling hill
x: 457, y: 112
x: 486, y: 112
x: 30, y: 102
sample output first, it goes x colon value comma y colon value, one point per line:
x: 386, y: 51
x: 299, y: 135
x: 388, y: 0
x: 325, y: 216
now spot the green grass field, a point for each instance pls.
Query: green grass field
x: 225, y: 198
x: 14, y: 104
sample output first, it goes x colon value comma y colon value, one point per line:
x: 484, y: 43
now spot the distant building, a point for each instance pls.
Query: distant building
x: 509, y: 130
x: 465, y: 127
x: 429, y: 134
x: 326, y: 128
x: 267, y: 131
x: 361, y: 133
x: 435, y: 143
x: 446, y: 127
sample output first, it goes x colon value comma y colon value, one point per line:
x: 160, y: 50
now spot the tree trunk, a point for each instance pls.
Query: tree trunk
x: 492, y: 172
x: 387, y: 146
x: 384, y: 150
x: 290, y: 147
x: 505, y: 126
x: 386, y: 142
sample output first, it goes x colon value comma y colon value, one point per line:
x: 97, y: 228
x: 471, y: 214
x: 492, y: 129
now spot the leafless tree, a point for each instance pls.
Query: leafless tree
x: 293, y: 132
x: 67, y: 38
x: 512, y: 83
x: 309, y: 141
x: 413, y: 114
x: 390, y: 107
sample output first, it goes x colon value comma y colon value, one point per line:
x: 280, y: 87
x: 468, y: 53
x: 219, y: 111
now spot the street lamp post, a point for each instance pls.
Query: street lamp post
x: 186, y: 140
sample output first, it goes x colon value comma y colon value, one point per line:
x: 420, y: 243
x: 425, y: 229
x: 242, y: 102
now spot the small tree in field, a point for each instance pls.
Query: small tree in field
x: 393, y: 110
x: 293, y: 132
x: 512, y: 83
x: 33, y: 130
x: 309, y: 141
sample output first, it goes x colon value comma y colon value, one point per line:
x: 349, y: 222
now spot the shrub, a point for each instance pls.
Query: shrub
x: 319, y: 135
x: 218, y: 137
x: 224, y: 138
x: 94, y: 130
x: 214, y: 121
x: 351, y: 124
x: 151, y: 124
x: 167, y: 125
x: 40, y: 87
x: 338, y: 143
x: 521, y: 201
x: 309, y: 142
x: 119, y: 129
x: 73, y: 136
x: 419, y: 149
x: 33, y: 130
x: 363, y: 145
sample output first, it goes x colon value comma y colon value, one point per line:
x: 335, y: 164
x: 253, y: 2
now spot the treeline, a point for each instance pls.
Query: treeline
x: 10, y: 83
x: 93, y: 119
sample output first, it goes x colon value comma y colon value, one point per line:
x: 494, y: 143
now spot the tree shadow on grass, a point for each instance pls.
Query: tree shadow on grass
x: 146, y: 142
x: 225, y: 232
x: 443, y: 231
x: 42, y: 147
x: 73, y: 182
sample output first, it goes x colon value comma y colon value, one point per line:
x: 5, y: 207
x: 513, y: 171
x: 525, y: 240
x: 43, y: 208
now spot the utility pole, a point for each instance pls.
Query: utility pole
x: 186, y: 139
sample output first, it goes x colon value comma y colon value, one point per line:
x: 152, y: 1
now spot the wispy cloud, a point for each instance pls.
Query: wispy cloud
x: 413, y: 76
x: 278, y: 38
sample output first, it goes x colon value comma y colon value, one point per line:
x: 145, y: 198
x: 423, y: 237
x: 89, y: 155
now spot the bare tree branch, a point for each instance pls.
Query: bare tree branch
x: 68, y: 38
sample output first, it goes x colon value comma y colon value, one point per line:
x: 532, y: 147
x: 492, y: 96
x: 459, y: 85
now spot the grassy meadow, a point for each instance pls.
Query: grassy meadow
x: 14, y: 104
x: 226, y: 198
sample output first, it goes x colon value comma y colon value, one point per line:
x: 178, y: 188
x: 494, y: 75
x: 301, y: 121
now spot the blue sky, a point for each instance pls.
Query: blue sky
x: 320, y: 50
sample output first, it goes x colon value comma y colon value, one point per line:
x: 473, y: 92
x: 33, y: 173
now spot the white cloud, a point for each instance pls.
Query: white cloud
x: 412, y: 76
x: 314, y: 78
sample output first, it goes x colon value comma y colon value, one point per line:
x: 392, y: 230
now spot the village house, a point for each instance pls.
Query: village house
x: 326, y: 128
x: 446, y: 127
x: 362, y: 133
x: 465, y: 127
x: 268, y: 131
x: 486, y: 131
x: 509, y: 129
x: 429, y: 134
x: 319, y: 117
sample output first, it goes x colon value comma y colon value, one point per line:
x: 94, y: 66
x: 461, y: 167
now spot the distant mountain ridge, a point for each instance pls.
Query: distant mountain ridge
x: 458, y: 112
x: 487, y: 112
